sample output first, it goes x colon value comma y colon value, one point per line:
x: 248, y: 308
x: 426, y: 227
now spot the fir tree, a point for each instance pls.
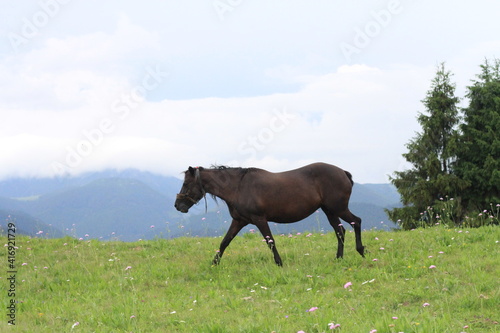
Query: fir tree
x: 432, y: 154
x: 479, y: 145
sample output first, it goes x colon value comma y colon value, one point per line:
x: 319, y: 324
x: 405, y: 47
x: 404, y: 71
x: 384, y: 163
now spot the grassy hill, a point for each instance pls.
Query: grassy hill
x: 425, y: 280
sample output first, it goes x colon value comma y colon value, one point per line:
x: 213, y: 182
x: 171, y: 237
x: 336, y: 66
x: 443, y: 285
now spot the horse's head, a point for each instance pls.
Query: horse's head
x: 191, y: 192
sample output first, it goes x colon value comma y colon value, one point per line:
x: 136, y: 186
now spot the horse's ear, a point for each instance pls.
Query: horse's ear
x: 191, y: 171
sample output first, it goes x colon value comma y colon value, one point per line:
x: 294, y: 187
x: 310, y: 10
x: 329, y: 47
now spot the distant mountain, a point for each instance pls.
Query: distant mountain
x: 28, y: 187
x: 132, y: 204
x: 28, y: 225
x: 383, y: 195
x: 110, y: 207
x: 11, y: 204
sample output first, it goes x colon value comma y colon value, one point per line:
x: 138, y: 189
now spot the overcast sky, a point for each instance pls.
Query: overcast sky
x: 162, y: 85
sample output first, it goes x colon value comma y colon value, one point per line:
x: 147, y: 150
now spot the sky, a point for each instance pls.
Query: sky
x: 163, y: 85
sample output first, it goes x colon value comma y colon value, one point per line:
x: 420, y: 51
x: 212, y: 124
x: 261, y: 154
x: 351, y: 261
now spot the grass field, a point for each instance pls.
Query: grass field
x: 425, y: 280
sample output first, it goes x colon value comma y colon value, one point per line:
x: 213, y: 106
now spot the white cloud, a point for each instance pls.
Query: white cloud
x: 227, y: 79
x: 348, y: 109
x: 67, y: 72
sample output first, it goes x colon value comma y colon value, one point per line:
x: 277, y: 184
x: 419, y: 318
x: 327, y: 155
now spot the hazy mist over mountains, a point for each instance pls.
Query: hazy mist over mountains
x: 131, y: 204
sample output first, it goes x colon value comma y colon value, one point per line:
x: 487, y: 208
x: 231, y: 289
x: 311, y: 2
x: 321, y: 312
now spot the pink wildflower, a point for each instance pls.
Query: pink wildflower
x: 347, y: 285
x: 333, y: 326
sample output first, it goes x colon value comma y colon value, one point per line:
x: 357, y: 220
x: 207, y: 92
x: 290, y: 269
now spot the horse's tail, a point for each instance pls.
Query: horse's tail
x: 349, y: 176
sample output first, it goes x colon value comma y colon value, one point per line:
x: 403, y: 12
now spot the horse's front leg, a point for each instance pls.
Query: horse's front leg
x: 233, y: 230
x: 268, y: 236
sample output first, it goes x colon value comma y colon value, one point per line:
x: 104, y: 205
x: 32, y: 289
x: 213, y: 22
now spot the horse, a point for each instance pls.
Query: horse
x: 256, y: 196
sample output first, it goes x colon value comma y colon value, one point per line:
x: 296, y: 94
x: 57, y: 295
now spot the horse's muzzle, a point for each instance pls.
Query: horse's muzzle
x: 181, y: 207
x: 183, y: 202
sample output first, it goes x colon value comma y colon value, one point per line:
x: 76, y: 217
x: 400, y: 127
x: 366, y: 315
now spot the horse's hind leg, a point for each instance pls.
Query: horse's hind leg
x: 355, y: 222
x: 339, y: 231
x: 233, y: 230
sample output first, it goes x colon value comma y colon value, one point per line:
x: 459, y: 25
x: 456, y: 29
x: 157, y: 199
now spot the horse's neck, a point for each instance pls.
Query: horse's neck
x: 221, y: 183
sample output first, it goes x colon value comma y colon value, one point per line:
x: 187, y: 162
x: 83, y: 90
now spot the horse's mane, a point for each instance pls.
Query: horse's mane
x: 222, y: 167
x: 241, y: 171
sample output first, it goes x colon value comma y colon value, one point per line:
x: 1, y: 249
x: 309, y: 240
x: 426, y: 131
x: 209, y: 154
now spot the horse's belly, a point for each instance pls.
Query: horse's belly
x: 289, y: 216
x: 289, y: 207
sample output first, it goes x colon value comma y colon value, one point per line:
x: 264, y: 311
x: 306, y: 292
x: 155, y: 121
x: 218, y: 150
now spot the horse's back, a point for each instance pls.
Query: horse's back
x: 304, y: 189
x: 319, y: 171
x: 324, y: 172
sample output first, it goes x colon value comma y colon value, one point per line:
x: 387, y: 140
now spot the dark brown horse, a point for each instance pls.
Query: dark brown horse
x: 256, y: 196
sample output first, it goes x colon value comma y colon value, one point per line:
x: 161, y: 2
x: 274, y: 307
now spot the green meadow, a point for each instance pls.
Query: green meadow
x: 426, y: 280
